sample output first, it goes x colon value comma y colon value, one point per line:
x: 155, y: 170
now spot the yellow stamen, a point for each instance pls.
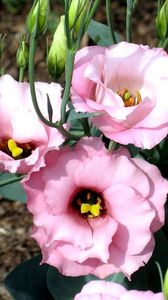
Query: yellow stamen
x: 95, y: 210
x: 85, y: 208
x: 17, y: 151
x: 11, y: 144
x: 14, y: 149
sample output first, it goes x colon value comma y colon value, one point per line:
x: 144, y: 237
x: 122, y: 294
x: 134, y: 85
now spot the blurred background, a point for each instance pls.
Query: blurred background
x: 15, y: 222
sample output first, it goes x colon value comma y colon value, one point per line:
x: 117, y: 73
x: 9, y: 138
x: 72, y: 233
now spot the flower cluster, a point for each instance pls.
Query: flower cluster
x: 95, y: 210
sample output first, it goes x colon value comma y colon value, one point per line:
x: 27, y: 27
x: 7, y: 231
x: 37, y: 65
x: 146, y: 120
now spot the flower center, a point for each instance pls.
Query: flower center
x: 16, y: 150
x: 128, y: 98
x: 89, y: 203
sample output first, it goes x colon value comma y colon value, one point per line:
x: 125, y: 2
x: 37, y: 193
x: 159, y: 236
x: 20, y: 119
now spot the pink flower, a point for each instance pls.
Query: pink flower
x: 95, y: 212
x: 127, y: 84
x: 105, y: 290
x: 24, y: 138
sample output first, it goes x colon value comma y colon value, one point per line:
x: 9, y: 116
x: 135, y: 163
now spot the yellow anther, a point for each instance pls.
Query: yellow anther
x: 88, y: 196
x: 11, y: 144
x: 17, y: 151
x: 95, y: 209
x: 126, y: 96
x: 85, y: 208
x: 14, y: 149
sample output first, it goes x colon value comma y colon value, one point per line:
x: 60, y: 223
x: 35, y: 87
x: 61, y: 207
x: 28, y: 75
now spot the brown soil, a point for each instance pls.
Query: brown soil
x: 15, y: 221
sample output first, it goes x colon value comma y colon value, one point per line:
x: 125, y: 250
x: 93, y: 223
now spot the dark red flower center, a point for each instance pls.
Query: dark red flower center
x: 16, y: 150
x: 89, y: 203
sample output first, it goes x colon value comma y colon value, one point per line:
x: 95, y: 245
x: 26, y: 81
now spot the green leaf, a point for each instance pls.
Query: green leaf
x: 28, y: 281
x: 56, y: 283
x: 77, y: 116
x: 49, y: 108
x: 118, y: 278
x: 12, y: 191
x: 65, y: 287
x: 100, y: 34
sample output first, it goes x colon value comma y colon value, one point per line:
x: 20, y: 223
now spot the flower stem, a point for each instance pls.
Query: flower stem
x: 21, y: 74
x: 129, y: 20
x: 68, y: 79
x: 57, y: 125
x: 110, y: 21
x: 33, y: 44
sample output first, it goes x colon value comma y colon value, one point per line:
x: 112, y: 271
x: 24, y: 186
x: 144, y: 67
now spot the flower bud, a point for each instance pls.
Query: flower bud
x: 37, y: 19
x: 22, y: 55
x: 58, y: 50
x: 165, y: 285
x: 162, y: 21
x: 77, y: 11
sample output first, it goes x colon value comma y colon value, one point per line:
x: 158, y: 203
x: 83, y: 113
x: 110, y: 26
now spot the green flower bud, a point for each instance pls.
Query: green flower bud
x: 165, y: 285
x: 162, y: 21
x: 22, y: 55
x: 77, y: 11
x: 58, y: 51
x: 38, y: 16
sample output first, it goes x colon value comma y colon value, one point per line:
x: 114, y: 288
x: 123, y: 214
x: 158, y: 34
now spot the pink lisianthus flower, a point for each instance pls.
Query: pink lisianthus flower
x: 105, y: 290
x: 95, y: 212
x: 127, y: 85
x: 24, y: 138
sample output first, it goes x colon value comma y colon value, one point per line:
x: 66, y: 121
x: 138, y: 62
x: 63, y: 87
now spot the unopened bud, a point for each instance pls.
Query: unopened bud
x: 77, y: 11
x: 22, y: 55
x: 38, y: 16
x: 162, y: 21
x: 58, y: 50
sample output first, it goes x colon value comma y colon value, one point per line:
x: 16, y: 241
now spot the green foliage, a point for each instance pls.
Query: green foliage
x: 28, y: 281
x: 100, y: 34
x: 12, y: 191
x: 13, y: 6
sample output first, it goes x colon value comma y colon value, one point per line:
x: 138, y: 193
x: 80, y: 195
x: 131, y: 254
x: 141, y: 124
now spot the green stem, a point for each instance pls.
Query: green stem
x: 58, y: 125
x: 33, y: 44
x: 21, y: 74
x: 68, y: 79
x: 165, y: 44
x: 86, y: 126
x: 11, y: 180
x: 129, y: 20
x: 110, y: 21
x: 160, y: 275
x: 90, y: 15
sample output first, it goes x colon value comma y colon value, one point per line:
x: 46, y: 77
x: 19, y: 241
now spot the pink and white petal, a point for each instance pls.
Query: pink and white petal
x: 80, y: 253
x: 27, y: 128
x: 128, y: 209
x: 158, y: 191
x: 122, y: 262
x: 142, y: 295
x: 103, y: 288
x: 59, y: 176
x: 131, y: 176
x: 53, y: 257
x: 54, y: 91
x: 92, y: 173
x: 92, y: 145
x: 100, y: 226
x: 145, y: 138
x: 62, y: 228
